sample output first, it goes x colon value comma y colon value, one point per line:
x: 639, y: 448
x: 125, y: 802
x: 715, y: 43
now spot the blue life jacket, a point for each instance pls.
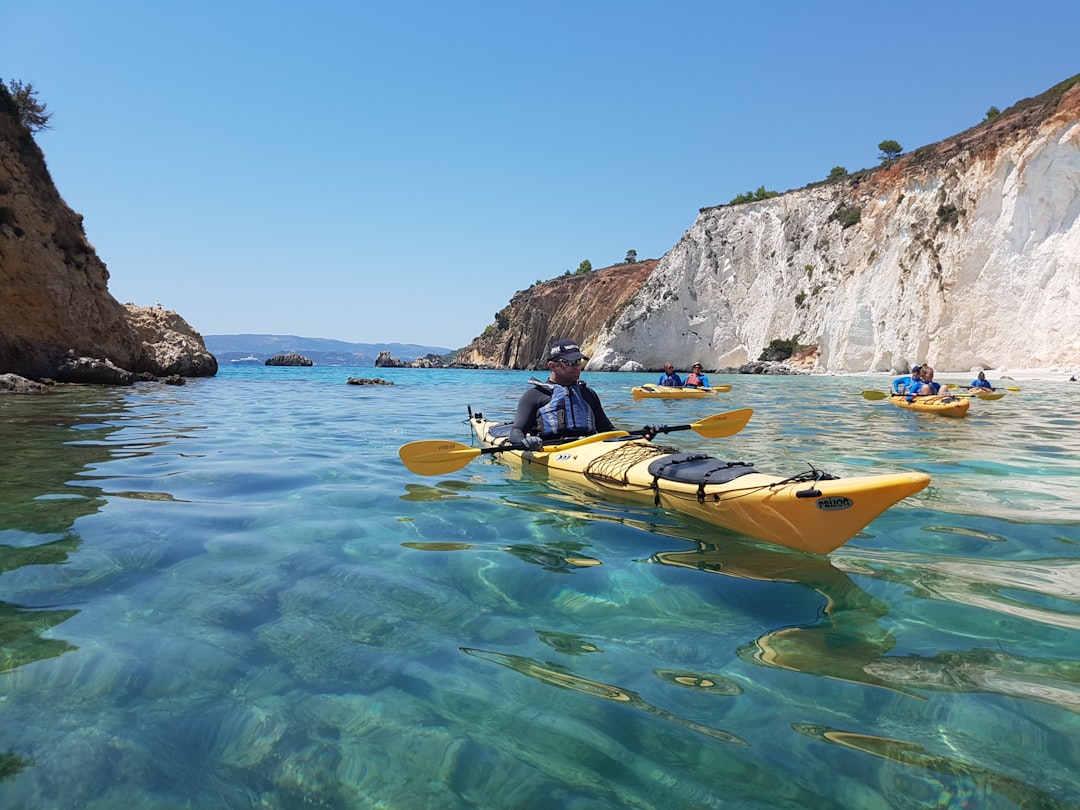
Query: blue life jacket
x: 566, y: 413
x: 935, y: 389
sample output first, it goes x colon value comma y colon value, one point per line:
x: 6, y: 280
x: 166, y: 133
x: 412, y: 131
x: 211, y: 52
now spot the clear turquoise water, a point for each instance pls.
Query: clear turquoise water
x: 233, y: 594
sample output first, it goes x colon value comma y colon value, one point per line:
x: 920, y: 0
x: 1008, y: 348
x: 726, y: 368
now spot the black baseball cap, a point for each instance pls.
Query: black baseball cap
x: 563, y: 349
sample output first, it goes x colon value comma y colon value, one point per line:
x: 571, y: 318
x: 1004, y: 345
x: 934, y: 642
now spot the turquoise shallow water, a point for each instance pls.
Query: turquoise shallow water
x: 233, y: 594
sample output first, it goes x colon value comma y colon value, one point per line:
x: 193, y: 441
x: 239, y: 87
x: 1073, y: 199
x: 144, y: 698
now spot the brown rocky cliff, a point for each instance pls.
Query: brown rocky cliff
x: 54, y: 287
x: 577, y: 307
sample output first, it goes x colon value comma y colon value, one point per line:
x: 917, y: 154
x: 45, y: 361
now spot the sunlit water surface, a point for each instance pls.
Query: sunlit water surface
x: 233, y: 594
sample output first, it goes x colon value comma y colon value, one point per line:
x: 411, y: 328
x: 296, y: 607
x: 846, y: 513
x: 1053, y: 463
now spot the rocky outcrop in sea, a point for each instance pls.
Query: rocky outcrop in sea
x: 288, y: 359
x: 387, y: 360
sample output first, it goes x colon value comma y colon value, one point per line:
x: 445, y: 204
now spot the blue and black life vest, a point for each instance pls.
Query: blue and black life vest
x: 567, y: 413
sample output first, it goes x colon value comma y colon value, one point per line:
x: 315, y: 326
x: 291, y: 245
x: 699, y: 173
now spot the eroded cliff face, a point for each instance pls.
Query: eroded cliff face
x: 54, y: 287
x: 965, y: 253
x: 578, y: 307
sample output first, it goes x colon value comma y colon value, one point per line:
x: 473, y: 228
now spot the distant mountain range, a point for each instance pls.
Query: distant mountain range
x: 321, y: 351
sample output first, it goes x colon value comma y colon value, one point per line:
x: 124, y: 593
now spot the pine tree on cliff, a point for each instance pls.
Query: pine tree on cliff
x: 33, y: 114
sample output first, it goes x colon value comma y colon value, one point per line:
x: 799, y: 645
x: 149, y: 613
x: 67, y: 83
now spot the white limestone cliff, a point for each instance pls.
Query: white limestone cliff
x: 965, y: 253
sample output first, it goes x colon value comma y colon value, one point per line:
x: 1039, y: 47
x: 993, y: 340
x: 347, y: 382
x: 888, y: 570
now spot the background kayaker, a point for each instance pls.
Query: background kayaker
x: 564, y: 407
x: 901, y: 385
x: 925, y: 387
x: 669, y: 377
x: 697, y: 378
x: 980, y: 382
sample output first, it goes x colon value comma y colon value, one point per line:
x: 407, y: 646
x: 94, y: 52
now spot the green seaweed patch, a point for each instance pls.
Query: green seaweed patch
x: 11, y: 764
x: 20, y: 635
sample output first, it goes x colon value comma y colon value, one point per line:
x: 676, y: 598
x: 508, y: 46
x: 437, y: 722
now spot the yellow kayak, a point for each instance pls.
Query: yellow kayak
x: 674, y: 392
x: 810, y: 511
x: 942, y: 404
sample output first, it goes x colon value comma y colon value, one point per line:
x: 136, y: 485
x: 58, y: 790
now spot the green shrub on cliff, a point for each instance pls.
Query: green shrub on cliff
x: 890, y: 150
x: 32, y: 113
x: 754, y: 196
x: 780, y: 349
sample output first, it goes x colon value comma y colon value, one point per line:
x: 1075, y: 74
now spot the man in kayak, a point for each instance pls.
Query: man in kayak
x: 981, y: 383
x: 564, y: 407
x: 901, y: 385
x: 669, y: 378
x: 697, y: 378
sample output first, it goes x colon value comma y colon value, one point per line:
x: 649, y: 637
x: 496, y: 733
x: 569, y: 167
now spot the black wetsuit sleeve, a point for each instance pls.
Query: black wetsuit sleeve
x: 603, y: 424
x: 525, y: 420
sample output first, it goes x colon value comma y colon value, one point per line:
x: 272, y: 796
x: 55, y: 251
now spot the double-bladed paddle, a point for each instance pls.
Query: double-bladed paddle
x: 439, y: 456
x: 875, y: 395
x: 998, y: 388
x: 977, y: 395
x: 723, y: 389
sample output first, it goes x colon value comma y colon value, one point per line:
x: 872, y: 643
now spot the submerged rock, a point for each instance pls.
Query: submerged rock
x: 74, y: 369
x: 14, y: 384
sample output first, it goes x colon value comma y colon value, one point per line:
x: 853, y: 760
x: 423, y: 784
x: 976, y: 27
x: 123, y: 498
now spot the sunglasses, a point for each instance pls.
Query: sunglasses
x: 570, y: 363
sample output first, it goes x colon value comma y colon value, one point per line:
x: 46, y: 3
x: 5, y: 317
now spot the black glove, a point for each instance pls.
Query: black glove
x: 649, y: 431
x: 532, y: 442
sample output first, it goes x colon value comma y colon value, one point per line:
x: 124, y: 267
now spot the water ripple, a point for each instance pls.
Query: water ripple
x: 233, y: 594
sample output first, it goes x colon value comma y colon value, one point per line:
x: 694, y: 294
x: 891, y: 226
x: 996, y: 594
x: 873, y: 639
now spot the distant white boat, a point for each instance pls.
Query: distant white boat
x: 249, y: 359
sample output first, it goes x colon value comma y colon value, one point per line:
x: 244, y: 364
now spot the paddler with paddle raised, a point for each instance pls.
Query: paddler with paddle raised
x: 563, y: 407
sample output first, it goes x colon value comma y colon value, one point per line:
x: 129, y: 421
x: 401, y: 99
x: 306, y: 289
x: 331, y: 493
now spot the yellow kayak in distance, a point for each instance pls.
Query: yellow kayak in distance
x: 809, y: 511
x: 676, y: 392
x: 941, y: 404
x: 958, y: 390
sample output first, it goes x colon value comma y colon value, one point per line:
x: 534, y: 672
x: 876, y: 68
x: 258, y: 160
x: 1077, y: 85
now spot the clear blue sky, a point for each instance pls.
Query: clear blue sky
x: 395, y: 172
